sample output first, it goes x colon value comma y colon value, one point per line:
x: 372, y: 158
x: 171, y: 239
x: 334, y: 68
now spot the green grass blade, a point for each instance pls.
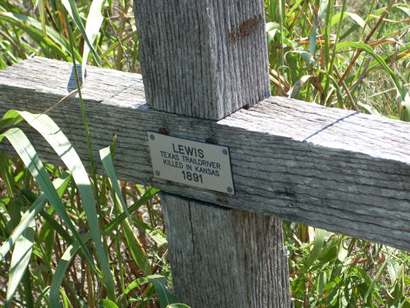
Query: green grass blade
x: 7, y: 177
x: 326, y: 13
x: 62, y: 146
x: 70, y: 253
x: 404, y: 50
x: 339, y: 17
x: 9, y: 119
x: 317, y: 247
x: 343, y: 46
x: 106, y: 303
x: 32, y: 27
x: 28, y: 217
x: 296, y: 88
x: 137, y: 252
x: 26, y: 220
x: 404, y: 9
x: 375, y: 279
x: 148, y: 195
x: 106, y: 159
x: 20, y: 260
x: 56, y: 226
x: 66, y: 300
x: 28, y: 290
x: 330, y: 66
x: 72, y: 10
x: 165, y: 297
x: 60, y: 273
x: 92, y: 28
x: 29, y: 156
x: 40, y: 5
x: 137, y: 283
x: 405, y: 108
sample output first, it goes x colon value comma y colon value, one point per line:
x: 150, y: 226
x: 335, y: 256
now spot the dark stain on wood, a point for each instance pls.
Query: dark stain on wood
x: 287, y: 192
x: 246, y: 28
x: 164, y: 131
x: 211, y: 140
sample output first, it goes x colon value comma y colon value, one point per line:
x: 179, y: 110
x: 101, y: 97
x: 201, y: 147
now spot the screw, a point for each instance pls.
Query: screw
x: 230, y: 190
x: 152, y: 137
x: 164, y: 131
x: 157, y: 173
x: 225, y: 151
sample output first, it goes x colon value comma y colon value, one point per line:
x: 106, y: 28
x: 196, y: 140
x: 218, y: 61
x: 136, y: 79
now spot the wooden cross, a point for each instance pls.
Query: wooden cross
x: 206, y: 80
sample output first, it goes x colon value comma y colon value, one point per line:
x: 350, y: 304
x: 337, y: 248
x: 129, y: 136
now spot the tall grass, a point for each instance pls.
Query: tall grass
x: 48, y: 226
x: 71, y: 239
x: 330, y: 53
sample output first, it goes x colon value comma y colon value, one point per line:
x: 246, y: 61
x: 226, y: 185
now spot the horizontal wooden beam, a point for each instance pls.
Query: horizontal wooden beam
x: 336, y: 169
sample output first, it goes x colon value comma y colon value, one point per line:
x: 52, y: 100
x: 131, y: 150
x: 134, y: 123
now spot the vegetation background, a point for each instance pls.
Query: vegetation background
x: 342, y: 53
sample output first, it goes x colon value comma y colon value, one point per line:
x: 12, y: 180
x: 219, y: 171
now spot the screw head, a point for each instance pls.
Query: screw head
x: 152, y: 137
x: 229, y: 190
x: 225, y: 151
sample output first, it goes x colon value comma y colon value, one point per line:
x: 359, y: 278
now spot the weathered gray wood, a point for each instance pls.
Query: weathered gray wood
x: 205, y: 58
x: 330, y: 168
x: 215, y: 239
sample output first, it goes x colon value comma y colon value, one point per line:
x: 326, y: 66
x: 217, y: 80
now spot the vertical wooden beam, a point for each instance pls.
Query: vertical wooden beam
x: 225, y: 258
x: 203, y: 58
x: 207, y: 59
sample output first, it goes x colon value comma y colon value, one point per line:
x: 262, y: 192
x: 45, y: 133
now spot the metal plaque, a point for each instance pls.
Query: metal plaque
x: 192, y: 163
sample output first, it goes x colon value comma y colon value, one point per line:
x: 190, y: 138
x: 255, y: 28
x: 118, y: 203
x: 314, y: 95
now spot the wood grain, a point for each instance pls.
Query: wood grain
x: 207, y: 59
x: 243, y: 262
x: 330, y: 168
x: 204, y: 58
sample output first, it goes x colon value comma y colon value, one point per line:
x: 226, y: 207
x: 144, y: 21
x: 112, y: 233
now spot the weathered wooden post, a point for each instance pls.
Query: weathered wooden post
x: 207, y: 59
x: 326, y: 167
x: 202, y: 60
